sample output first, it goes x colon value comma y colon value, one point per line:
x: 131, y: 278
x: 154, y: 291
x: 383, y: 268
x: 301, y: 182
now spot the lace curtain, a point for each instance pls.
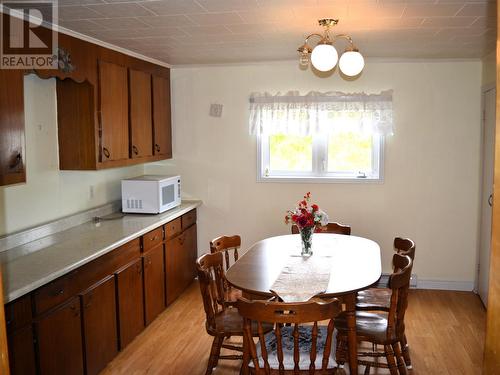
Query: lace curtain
x: 320, y: 113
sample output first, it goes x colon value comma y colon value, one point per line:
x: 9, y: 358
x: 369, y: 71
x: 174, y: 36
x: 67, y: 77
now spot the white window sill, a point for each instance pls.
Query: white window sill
x: 321, y: 180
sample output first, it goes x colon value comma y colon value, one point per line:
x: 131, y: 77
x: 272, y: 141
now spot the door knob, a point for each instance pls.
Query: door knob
x: 490, y: 200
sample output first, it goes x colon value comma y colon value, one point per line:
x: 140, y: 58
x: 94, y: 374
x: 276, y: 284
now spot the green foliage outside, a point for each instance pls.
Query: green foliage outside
x: 347, y: 152
x: 350, y: 152
x: 290, y: 153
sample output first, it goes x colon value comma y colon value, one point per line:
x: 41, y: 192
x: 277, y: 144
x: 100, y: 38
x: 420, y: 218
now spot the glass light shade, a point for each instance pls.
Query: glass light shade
x: 304, y: 59
x: 351, y: 63
x: 324, y: 57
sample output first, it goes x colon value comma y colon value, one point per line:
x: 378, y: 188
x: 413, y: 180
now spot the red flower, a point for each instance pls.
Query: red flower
x: 315, y: 207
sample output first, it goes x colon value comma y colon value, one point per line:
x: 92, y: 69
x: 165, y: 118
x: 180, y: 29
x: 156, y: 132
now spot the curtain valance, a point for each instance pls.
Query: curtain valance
x: 320, y: 113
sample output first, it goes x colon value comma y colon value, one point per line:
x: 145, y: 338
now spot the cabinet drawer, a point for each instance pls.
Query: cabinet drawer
x: 18, y: 313
x: 172, y: 228
x: 82, y: 278
x: 188, y: 219
x: 153, y: 238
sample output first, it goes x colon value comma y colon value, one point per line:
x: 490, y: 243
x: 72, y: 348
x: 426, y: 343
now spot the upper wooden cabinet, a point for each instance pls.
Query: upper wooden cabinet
x: 12, y: 160
x: 113, y: 109
x: 141, y: 123
x: 113, y: 112
x: 161, y: 117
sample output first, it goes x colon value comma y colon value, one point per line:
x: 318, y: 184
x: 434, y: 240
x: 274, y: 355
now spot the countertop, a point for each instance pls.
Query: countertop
x: 29, y: 266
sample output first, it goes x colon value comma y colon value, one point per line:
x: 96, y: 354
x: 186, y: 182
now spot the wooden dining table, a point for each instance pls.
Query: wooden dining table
x: 355, y: 265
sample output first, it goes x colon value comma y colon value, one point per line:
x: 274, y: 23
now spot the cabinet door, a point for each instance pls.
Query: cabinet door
x: 161, y: 117
x: 154, y: 283
x: 141, y: 123
x: 12, y: 127
x: 174, y: 258
x: 99, y: 325
x: 22, y: 352
x: 113, y: 112
x: 130, y: 302
x: 191, y: 250
x: 60, y: 340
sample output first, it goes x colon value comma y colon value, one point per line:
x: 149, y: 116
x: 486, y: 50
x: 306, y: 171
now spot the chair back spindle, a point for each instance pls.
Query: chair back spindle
x: 300, y: 316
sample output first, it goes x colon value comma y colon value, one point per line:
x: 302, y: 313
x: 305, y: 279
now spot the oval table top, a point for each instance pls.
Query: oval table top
x: 355, y: 265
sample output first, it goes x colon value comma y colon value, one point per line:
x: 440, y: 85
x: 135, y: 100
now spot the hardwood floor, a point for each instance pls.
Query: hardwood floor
x: 445, y: 331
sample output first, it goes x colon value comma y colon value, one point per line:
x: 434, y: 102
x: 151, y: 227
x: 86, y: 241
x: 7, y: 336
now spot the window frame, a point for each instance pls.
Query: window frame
x: 318, y: 173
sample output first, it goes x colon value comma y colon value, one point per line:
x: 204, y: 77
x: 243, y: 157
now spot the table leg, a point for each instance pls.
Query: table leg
x: 350, y: 301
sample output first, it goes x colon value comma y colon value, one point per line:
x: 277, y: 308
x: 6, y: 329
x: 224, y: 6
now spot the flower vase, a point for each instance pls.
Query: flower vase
x: 306, y: 236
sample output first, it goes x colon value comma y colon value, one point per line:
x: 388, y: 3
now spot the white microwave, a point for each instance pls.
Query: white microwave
x: 151, y: 194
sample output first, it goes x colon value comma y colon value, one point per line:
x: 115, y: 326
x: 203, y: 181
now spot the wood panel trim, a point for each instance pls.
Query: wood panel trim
x: 4, y: 354
x: 491, y: 364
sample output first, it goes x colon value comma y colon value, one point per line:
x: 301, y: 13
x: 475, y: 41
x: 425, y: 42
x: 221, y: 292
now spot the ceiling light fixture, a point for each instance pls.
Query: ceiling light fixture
x: 324, y: 56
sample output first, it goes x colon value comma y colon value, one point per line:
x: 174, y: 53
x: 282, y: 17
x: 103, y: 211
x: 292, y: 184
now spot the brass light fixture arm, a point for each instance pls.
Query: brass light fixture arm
x: 311, y: 35
x: 348, y: 38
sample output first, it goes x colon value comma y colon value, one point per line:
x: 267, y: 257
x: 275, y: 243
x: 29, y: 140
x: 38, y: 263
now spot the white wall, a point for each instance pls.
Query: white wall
x: 49, y: 193
x: 431, y: 186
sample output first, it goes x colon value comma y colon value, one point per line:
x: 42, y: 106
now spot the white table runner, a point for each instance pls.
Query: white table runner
x: 303, y: 277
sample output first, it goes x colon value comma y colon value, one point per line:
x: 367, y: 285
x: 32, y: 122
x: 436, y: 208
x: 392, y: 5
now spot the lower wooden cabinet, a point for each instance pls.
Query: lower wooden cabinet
x: 191, y: 248
x: 180, y: 262
x: 154, y: 283
x: 174, y: 258
x: 77, y: 323
x: 60, y: 340
x: 22, y: 352
x: 130, y: 302
x: 99, y: 325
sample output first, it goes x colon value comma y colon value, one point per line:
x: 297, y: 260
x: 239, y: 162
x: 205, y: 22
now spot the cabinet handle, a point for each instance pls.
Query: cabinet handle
x: 58, y: 292
x: 135, y: 150
x: 157, y: 146
x: 106, y: 153
x: 76, y: 312
x: 154, y: 238
x: 182, y: 238
x: 17, y: 160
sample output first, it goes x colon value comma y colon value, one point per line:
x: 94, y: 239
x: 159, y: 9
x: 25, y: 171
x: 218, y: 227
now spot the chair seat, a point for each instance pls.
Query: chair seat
x: 370, y: 326
x: 230, y: 323
x: 305, y: 342
x: 373, y: 299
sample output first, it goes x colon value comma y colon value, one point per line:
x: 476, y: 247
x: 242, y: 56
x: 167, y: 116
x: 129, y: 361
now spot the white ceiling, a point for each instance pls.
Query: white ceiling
x: 228, y: 31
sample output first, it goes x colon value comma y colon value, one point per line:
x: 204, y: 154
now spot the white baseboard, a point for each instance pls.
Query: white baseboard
x: 464, y: 286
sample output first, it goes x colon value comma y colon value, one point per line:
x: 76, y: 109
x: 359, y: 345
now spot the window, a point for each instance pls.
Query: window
x: 338, y: 156
x: 323, y: 140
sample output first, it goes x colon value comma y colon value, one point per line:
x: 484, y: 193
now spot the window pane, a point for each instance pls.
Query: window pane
x: 350, y: 152
x: 290, y: 153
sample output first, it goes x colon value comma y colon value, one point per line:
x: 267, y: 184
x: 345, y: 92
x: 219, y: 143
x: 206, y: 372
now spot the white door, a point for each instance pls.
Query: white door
x: 489, y: 122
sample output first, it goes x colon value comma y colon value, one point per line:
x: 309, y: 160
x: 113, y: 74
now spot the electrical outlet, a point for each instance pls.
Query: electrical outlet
x: 413, y: 281
x: 91, y: 192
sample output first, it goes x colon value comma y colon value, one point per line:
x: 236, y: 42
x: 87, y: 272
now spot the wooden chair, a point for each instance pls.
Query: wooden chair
x: 384, y: 327
x: 335, y: 228
x: 298, y: 348
x: 222, y: 321
x: 226, y: 245
x: 379, y: 298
